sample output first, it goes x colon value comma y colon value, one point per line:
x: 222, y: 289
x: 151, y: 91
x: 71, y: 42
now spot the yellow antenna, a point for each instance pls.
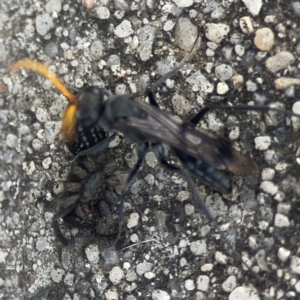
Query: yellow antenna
x: 69, y: 119
x: 44, y: 71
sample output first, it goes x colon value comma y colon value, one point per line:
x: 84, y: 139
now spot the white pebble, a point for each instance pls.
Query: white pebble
x: 116, y: 275
x: 183, y: 3
x: 262, y: 142
x: 160, y: 295
x: 281, y: 220
x: 181, y: 105
x: 279, y: 61
x: 269, y: 187
x: 224, y: 72
x: 216, y: 32
x: 247, y: 292
x: 43, y: 24
x: 183, y: 195
x: 207, y: 267
x: 69, y: 279
x: 42, y: 115
x: 220, y: 257
x: 239, y: 50
x: 124, y: 29
x: 151, y: 159
x: 246, y: 25
x: 149, y: 275
x: 146, y: 38
x: 96, y: 50
x: 47, y: 163
x: 295, y: 264
x: 251, y: 86
x: 143, y: 267
x: 103, y: 13
x: 133, y: 220
x: 229, y: 284
x: 189, y: 209
x: 189, y: 285
x: 29, y: 168
x: 267, y: 174
x: 198, y: 247
x: 200, y: 83
x: 203, y: 283
x: 222, y: 88
x: 131, y: 275
x: 53, y: 5
x: 92, y: 253
x: 134, y: 238
x: 283, y: 254
x: 52, y: 129
x: 234, y: 134
x: 296, y: 120
x: 253, y: 6
x: 168, y: 25
x: 111, y: 294
x: 11, y: 140
x: 185, y: 34
x: 57, y: 275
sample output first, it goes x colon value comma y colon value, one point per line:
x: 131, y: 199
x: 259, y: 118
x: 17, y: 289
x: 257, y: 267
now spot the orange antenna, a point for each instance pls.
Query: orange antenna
x: 44, y: 71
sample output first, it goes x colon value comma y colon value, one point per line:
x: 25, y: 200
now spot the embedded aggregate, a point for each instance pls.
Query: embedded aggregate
x: 248, y: 55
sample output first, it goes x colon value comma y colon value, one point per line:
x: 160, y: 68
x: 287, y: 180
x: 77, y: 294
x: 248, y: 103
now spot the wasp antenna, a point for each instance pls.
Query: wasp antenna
x: 264, y: 109
x: 175, y: 69
x: 44, y: 71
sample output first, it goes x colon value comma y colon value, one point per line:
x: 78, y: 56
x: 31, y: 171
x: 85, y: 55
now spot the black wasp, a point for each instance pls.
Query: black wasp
x: 97, y: 110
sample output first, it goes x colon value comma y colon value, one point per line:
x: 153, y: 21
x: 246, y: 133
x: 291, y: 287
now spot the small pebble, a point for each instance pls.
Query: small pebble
x: 281, y: 220
x: 229, y: 284
x: 189, y: 285
x: 183, y: 3
x: 203, y: 283
x: 160, y: 295
x: 43, y: 24
x: 116, y: 275
x: 11, y: 140
x: 103, y: 13
x: 198, y: 247
x: 246, y: 25
x: 133, y: 220
x: 295, y: 264
x: 124, y: 29
x: 262, y: 142
x: 143, y: 267
x: 224, y: 72
x: 269, y: 187
x: 92, y: 253
x: 282, y: 83
x: 216, y: 32
x: 185, y: 34
x: 253, y: 6
x: 247, y: 292
x: 279, y: 61
x: 146, y: 38
x: 264, y: 39
x: 283, y: 254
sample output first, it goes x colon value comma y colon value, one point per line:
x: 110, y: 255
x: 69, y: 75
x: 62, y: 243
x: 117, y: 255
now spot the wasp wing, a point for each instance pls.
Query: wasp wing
x: 159, y: 126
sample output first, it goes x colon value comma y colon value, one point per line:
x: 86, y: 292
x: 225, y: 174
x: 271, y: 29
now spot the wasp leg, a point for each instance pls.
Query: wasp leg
x: 56, y: 226
x: 159, y: 153
x: 141, y: 152
x: 97, y: 148
x: 105, y: 220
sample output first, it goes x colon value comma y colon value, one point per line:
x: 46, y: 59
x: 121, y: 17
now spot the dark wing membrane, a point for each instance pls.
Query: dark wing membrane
x: 162, y: 127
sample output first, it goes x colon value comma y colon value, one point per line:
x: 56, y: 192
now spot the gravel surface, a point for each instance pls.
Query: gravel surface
x: 248, y: 55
